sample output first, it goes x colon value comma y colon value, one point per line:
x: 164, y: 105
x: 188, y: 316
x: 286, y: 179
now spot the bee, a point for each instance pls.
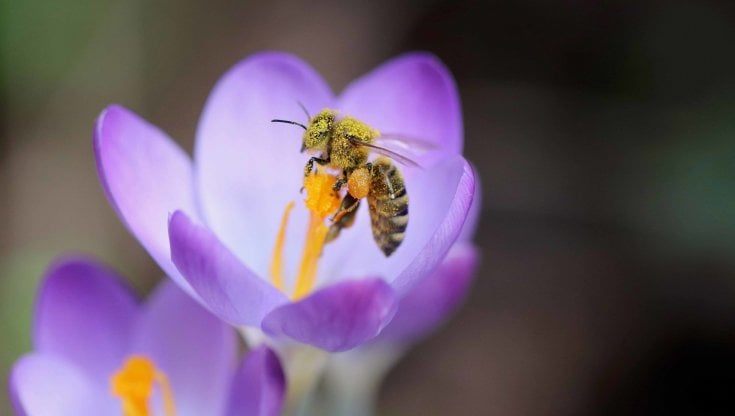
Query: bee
x: 344, y: 144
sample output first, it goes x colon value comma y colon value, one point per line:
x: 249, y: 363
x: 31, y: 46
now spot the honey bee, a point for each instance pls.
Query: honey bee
x: 344, y: 144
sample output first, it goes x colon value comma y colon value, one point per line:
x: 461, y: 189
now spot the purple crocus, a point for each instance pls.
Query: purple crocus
x: 97, y: 351
x: 217, y: 225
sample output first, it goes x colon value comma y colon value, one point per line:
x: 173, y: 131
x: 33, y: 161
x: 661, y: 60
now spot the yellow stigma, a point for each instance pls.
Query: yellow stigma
x: 321, y: 201
x: 134, y: 384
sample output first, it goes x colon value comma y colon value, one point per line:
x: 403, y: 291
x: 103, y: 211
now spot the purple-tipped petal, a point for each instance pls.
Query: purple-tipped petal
x: 196, y: 350
x: 258, y: 388
x: 338, y: 317
x: 47, y: 385
x: 86, y: 315
x: 413, y: 95
x: 447, y: 228
x: 228, y: 288
x: 146, y: 177
x: 473, y: 215
x: 431, y: 302
x: 248, y: 168
x: 439, y: 199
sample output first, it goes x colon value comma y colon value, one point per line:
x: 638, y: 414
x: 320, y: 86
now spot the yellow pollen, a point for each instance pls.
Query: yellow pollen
x: 321, y: 201
x: 134, y: 384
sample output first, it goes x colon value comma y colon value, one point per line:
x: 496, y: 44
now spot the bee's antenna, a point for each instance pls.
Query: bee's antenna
x: 308, y: 116
x: 288, y: 122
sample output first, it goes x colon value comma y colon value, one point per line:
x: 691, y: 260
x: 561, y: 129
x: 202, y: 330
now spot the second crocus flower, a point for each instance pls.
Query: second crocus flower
x: 98, y: 351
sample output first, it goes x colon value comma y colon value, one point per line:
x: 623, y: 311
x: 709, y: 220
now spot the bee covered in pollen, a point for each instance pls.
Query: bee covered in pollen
x: 344, y: 145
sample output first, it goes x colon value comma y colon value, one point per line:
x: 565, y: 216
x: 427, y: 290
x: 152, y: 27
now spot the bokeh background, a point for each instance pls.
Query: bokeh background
x: 603, y: 131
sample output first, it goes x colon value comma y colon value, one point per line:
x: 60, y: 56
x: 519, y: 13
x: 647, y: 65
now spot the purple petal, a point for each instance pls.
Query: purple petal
x: 338, y: 317
x: 439, y: 201
x: 228, y: 288
x: 195, y: 349
x: 430, y: 303
x: 448, y: 225
x: 258, y: 388
x: 413, y: 95
x: 47, y: 385
x: 473, y: 215
x: 249, y: 169
x: 146, y: 176
x: 85, y: 314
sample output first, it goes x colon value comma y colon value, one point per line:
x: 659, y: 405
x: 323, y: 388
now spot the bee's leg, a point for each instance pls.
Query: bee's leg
x: 344, y: 218
x: 349, y: 204
x: 340, y: 182
x: 310, y: 164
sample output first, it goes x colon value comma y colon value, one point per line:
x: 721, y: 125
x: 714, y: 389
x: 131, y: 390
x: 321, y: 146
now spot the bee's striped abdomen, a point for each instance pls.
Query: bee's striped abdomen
x: 388, y: 203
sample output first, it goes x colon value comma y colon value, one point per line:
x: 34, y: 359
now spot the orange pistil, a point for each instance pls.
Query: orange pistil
x: 321, y: 201
x: 134, y: 383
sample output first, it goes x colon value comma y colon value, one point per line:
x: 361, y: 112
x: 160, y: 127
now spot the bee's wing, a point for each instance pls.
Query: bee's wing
x: 409, y: 147
x: 389, y: 153
x: 410, y: 144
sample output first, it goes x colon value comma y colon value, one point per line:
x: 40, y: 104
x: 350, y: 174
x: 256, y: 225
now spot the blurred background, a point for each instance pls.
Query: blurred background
x: 603, y: 131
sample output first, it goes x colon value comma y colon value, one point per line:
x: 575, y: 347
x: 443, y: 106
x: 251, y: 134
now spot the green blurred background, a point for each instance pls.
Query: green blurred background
x: 603, y: 131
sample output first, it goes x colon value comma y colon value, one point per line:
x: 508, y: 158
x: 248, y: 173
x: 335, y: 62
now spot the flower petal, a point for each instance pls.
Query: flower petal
x: 258, y: 388
x: 48, y: 385
x: 428, y: 304
x: 146, y: 176
x: 228, y: 288
x: 84, y: 314
x: 196, y: 350
x: 338, y: 317
x: 449, y: 220
x: 473, y: 215
x: 440, y: 198
x: 413, y: 95
x: 248, y: 168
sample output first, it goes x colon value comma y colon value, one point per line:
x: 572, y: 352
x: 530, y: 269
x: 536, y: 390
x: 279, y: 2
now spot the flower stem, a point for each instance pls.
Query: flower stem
x: 352, y: 379
x: 304, y: 366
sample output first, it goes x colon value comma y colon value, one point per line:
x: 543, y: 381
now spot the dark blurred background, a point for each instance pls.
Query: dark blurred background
x: 603, y: 132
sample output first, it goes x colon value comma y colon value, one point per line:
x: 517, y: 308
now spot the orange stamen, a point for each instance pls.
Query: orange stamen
x: 276, y: 268
x: 134, y: 383
x: 321, y: 201
x: 315, y: 235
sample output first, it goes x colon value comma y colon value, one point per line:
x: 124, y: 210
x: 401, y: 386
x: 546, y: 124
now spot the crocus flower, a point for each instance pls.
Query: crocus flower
x: 98, y: 352
x: 217, y: 225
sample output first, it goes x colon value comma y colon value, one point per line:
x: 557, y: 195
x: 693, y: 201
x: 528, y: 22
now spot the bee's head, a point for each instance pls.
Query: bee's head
x: 319, y: 130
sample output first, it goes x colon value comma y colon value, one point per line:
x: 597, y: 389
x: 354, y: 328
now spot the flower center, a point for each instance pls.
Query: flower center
x: 321, y: 201
x: 134, y: 383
